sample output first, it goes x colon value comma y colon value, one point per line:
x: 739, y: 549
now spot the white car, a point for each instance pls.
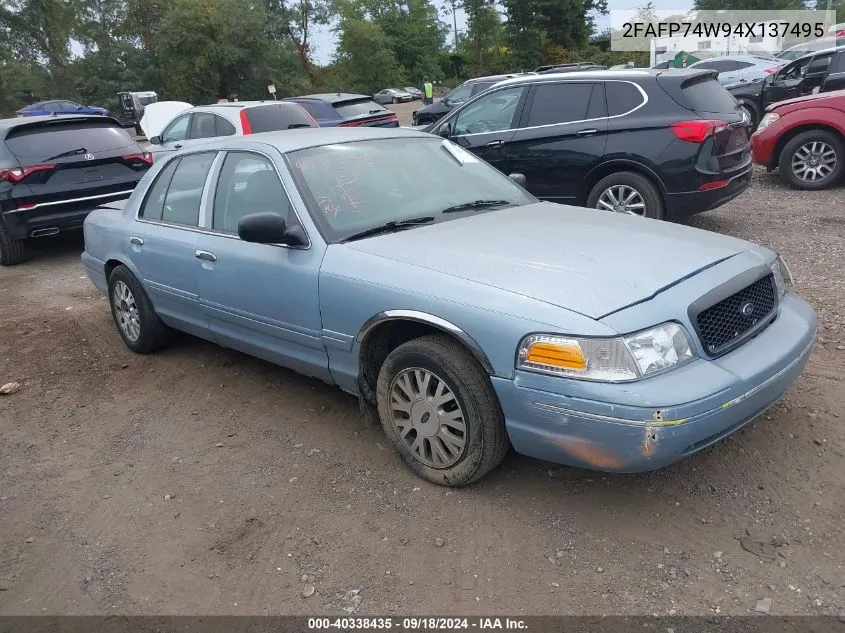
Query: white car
x: 176, y: 128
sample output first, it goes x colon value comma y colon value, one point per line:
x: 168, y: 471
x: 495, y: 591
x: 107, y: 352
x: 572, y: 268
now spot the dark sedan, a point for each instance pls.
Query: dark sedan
x: 346, y: 110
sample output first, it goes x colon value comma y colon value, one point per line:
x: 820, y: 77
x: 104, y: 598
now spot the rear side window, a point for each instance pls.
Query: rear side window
x: 622, y: 97
x: 202, y: 125
x: 182, y: 202
x: 706, y: 95
x: 31, y: 144
x: 358, y: 107
x: 154, y: 203
x: 559, y: 103
x: 741, y: 65
x: 268, y: 118
x: 248, y: 183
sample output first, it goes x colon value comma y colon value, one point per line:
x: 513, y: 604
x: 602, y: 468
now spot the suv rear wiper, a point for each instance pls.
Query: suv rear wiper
x: 294, y: 126
x: 476, y: 204
x: 390, y: 227
x: 70, y: 152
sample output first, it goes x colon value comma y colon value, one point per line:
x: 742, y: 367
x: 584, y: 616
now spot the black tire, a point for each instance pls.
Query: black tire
x: 789, y: 150
x: 649, y: 193
x: 395, y: 100
x: 485, y: 438
x: 12, y: 252
x: 153, y: 333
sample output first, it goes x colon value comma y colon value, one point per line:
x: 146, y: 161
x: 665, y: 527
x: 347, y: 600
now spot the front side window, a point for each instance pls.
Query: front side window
x: 182, y: 202
x: 352, y: 187
x: 176, y: 131
x: 819, y: 65
x: 248, y: 183
x: 491, y: 113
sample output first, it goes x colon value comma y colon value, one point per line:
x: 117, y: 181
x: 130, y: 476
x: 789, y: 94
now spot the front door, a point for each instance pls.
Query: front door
x: 786, y: 84
x: 486, y: 126
x: 173, y: 138
x: 261, y: 299
x: 163, y: 241
x: 561, y: 138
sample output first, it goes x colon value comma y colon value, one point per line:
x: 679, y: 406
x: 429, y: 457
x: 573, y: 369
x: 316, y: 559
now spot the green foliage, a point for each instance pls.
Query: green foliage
x: 366, y: 63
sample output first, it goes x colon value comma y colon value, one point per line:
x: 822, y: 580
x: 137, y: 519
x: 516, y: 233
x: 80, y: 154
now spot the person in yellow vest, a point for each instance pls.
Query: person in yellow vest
x: 428, y: 91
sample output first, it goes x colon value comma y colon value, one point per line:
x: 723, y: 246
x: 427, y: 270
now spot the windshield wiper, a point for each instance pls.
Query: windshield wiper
x: 294, y: 126
x: 476, y: 204
x: 390, y: 227
x: 71, y: 152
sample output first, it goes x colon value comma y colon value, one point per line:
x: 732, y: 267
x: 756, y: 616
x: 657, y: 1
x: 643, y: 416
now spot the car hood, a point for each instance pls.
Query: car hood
x: 835, y: 97
x: 589, y: 261
x: 157, y: 115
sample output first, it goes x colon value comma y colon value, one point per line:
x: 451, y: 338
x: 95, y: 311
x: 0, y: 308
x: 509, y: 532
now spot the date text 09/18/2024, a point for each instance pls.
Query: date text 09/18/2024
x: 420, y: 623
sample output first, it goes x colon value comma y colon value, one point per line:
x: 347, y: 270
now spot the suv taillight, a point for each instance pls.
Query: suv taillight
x: 15, y: 175
x: 145, y: 157
x: 245, y: 124
x: 698, y: 130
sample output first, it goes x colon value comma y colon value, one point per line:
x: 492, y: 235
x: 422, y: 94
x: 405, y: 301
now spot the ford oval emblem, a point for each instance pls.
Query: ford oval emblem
x: 89, y: 156
x: 747, y: 309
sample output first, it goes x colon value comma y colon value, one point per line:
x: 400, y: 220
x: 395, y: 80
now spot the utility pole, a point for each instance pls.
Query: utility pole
x: 454, y: 4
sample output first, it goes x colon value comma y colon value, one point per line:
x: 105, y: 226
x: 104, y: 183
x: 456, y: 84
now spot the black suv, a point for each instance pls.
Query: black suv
x: 662, y: 144
x: 434, y: 111
x: 54, y: 170
x: 822, y: 71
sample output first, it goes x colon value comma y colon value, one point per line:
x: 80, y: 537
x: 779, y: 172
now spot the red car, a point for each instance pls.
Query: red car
x: 805, y: 138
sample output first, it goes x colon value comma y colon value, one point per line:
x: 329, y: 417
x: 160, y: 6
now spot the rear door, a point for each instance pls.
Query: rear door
x: 561, y: 137
x: 835, y: 78
x: 487, y: 125
x: 72, y: 163
x: 162, y: 245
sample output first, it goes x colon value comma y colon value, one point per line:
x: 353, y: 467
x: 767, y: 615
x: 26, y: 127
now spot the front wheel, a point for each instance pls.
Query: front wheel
x: 627, y: 192
x: 437, y: 407
x: 812, y: 160
x: 137, y: 323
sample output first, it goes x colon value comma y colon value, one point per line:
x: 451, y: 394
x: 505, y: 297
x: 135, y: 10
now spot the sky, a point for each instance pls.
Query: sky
x: 323, y: 40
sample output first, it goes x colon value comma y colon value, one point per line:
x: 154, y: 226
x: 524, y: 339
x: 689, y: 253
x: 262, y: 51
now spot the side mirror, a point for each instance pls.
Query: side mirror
x: 446, y: 130
x: 156, y: 140
x: 269, y: 228
x: 770, y: 78
x: 518, y: 179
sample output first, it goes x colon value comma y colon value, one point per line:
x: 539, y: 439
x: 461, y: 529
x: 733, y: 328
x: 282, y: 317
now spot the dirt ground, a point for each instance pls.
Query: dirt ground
x: 201, y: 481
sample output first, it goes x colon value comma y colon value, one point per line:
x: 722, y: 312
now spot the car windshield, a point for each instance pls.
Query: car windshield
x: 353, y: 187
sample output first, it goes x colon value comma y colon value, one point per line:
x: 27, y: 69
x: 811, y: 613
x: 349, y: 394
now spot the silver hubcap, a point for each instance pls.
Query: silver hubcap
x: 814, y: 161
x: 126, y: 311
x: 622, y: 199
x: 427, y: 417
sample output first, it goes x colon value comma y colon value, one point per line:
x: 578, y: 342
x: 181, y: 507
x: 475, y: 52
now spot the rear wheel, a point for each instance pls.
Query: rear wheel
x: 137, y: 323
x: 627, y: 192
x: 12, y: 251
x: 813, y: 160
x: 437, y: 407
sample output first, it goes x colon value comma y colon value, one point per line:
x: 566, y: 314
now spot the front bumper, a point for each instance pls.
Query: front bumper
x: 613, y: 437
x: 683, y: 205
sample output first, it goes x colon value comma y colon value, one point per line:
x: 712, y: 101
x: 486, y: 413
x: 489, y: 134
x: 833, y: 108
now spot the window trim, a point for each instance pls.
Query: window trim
x: 517, y: 113
x: 207, y: 210
x: 203, y: 195
x: 452, y: 115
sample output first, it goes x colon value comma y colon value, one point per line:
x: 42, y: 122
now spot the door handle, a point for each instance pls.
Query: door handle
x: 206, y: 255
x: 177, y: 147
x: 137, y: 241
x: 496, y: 143
x: 589, y: 132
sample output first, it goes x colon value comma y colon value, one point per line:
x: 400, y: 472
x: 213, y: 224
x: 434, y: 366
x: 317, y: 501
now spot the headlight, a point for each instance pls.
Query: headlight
x: 607, y: 359
x: 783, y: 277
x: 767, y: 120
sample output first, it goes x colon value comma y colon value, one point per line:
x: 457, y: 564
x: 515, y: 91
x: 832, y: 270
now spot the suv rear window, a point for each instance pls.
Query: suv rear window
x: 357, y: 107
x: 43, y: 141
x: 706, y: 95
x: 281, y: 116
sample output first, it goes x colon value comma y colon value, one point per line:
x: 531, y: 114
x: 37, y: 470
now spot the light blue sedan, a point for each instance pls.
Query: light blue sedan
x: 465, y: 315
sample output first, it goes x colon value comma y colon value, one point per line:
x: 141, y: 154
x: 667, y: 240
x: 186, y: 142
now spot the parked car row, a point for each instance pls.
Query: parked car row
x: 466, y: 316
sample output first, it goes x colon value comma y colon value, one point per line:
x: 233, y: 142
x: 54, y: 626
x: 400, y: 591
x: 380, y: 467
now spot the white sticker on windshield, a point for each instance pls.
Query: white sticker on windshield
x: 459, y: 153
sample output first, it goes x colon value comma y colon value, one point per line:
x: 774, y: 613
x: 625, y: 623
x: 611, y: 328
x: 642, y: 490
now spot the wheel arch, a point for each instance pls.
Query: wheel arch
x: 617, y: 165
x: 385, y: 331
x: 800, y: 129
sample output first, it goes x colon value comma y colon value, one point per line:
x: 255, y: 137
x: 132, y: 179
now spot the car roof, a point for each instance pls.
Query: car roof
x: 495, y: 77
x: 736, y: 57
x: 240, y: 105
x: 331, y: 97
x: 595, y: 75
x: 8, y: 124
x: 293, y: 140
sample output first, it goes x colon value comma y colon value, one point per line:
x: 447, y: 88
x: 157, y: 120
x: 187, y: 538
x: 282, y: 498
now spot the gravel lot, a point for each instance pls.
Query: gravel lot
x: 201, y: 481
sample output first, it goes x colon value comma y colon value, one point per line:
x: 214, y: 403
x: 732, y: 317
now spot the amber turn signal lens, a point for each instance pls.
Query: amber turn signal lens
x: 567, y: 356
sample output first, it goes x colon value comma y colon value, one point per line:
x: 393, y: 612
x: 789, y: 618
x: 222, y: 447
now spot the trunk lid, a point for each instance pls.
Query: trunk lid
x: 364, y: 112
